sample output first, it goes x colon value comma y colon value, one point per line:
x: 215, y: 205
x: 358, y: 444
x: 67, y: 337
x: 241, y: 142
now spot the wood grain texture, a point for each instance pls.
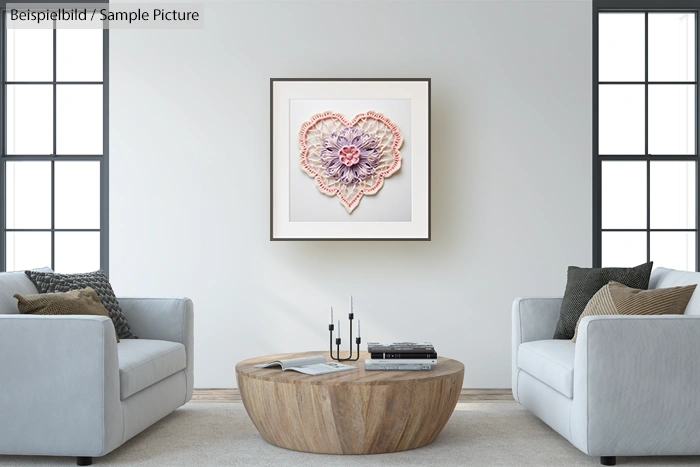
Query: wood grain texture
x: 352, y: 412
x: 206, y: 395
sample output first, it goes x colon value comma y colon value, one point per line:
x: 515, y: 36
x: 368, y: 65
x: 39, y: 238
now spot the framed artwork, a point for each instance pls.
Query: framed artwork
x: 349, y: 159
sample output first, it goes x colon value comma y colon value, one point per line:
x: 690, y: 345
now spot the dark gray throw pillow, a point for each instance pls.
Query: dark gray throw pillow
x: 583, y: 283
x: 48, y: 282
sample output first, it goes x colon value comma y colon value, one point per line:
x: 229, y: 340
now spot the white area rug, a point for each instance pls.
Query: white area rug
x: 221, y: 434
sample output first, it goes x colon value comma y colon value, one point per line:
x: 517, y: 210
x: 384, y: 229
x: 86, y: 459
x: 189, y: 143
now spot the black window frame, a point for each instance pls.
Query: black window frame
x: 643, y: 6
x: 103, y: 159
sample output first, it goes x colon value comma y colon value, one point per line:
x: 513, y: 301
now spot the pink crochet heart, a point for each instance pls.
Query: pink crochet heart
x: 350, y: 159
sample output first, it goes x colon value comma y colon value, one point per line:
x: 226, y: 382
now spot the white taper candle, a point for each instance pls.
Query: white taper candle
x: 350, y: 303
x: 358, y: 328
x: 337, y: 331
x: 331, y: 321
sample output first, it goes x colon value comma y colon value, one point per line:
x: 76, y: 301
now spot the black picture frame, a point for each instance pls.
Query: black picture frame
x: 273, y: 237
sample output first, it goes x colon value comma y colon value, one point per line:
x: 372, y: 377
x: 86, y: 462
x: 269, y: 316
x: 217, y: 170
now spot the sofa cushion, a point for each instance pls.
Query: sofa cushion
x: 76, y: 302
x: 583, y: 283
x: 550, y: 361
x: 12, y: 283
x: 144, y: 362
x: 617, y: 299
x: 54, y: 282
x: 662, y: 278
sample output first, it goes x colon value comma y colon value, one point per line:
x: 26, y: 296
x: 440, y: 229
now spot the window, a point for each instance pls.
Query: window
x: 53, y: 167
x: 645, y: 141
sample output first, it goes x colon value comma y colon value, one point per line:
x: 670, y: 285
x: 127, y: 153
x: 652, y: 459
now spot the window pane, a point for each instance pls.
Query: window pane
x: 621, y: 47
x: 621, y: 119
x: 624, y: 195
x: 672, y: 195
x: 675, y: 250
x: 28, y: 188
x: 79, y: 54
x: 77, y: 252
x: 671, y: 119
x: 29, y: 54
x: 28, y: 250
x: 624, y: 249
x: 77, y: 195
x: 30, y: 119
x: 671, y: 47
x: 79, y: 119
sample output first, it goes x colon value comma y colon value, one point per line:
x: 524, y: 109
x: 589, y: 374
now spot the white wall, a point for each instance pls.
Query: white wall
x: 511, y: 160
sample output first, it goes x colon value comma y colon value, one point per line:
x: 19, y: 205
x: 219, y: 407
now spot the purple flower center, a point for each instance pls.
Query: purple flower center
x: 349, y: 155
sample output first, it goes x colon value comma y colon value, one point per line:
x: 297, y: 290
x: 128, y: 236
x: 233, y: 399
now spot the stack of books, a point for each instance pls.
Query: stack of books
x: 401, y: 356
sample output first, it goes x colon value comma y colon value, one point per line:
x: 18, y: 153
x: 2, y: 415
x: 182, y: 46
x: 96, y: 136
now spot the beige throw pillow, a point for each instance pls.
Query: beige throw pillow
x: 76, y: 302
x: 618, y: 299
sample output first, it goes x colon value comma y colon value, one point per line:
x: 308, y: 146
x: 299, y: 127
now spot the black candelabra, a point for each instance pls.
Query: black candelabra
x: 331, y: 328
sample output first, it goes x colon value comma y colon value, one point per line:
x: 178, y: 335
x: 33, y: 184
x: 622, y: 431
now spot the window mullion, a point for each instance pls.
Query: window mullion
x: 646, y: 129
x: 53, y: 211
x: 104, y: 160
x: 3, y: 143
x: 53, y: 164
x: 697, y: 148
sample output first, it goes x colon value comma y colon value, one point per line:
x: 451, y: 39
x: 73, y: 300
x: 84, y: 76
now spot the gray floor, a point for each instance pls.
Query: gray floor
x: 478, y: 434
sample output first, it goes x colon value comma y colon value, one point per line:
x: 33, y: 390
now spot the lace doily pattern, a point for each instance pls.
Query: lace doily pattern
x: 350, y: 159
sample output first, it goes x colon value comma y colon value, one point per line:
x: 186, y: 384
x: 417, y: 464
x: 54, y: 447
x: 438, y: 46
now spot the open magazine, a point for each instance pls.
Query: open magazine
x: 309, y: 365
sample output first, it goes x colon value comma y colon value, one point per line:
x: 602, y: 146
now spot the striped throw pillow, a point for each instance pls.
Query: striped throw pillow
x: 618, y: 299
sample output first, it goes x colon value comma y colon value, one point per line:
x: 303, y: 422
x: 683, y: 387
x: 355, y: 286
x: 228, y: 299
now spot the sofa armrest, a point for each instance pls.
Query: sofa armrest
x: 636, y: 381
x: 59, y: 385
x: 167, y: 319
x: 533, y: 319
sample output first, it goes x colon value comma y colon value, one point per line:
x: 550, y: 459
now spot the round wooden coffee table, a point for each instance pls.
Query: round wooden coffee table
x: 351, y: 412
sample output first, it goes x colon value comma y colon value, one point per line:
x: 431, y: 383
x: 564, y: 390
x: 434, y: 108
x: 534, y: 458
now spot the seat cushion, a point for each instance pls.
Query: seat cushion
x: 550, y: 361
x: 144, y: 362
x: 662, y: 278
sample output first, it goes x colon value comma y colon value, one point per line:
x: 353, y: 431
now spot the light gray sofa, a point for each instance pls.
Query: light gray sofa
x: 629, y: 386
x: 68, y: 389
